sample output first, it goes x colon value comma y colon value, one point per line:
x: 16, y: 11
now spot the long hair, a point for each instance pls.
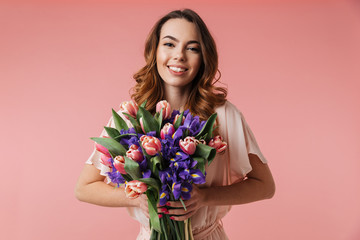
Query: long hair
x: 204, y: 95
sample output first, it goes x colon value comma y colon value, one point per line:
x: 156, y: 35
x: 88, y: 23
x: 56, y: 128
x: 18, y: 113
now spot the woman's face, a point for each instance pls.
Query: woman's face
x: 178, y: 54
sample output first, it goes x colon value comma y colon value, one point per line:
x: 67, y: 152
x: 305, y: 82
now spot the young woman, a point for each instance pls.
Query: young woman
x: 181, y: 64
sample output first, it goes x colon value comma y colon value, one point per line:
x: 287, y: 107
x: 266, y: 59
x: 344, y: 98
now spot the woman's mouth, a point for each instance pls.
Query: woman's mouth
x: 177, y: 69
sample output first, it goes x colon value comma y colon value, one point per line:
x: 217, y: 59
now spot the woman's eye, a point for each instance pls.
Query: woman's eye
x: 193, y: 49
x: 168, y: 44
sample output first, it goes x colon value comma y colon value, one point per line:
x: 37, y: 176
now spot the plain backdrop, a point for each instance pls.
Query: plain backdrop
x: 291, y: 67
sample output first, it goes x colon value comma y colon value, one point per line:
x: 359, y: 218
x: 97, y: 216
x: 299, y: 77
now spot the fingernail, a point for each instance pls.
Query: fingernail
x: 160, y: 215
x: 167, y: 204
x: 172, y: 218
x: 163, y: 209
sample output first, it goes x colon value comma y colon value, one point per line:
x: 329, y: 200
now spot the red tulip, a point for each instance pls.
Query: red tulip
x: 166, y: 108
x: 134, y: 153
x: 168, y: 129
x: 152, y: 145
x: 119, y: 164
x: 218, y: 143
x: 134, y: 189
x: 102, y: 149
x: 129, y: 107
x: 177, y: 117
x: 105, y: 160
x: 188, y: 145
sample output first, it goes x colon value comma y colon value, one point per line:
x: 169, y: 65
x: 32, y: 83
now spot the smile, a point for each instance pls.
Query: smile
x: 177, y: 69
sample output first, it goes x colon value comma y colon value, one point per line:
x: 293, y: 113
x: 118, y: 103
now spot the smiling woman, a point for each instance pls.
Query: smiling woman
x: 181, y: 64
x: 178, y: 57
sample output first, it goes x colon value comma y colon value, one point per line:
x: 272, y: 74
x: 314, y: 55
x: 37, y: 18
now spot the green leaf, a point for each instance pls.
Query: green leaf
x: 178, y: 121
x: 200, y: 163
x: 208, y: 127
x: 164, y: 229
x: 155, y: 165
x: 181, y: 225
x: 154, y: 234
x: 148, y: 120
x: 143, y: 105
x: 134, y: 122
x: 119, y: 122
x: 112, y: 132
x: 151, y: 182
x: 132, y: 168
x: 174, y: 229
x: 152, y: 202
x: 159, y: 120
x: 127, y: 177
x: 124, y: 135
x: 112, y: 145
x: 205, y: 151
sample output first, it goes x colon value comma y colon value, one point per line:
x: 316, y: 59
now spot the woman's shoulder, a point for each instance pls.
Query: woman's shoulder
x: 228, y: 108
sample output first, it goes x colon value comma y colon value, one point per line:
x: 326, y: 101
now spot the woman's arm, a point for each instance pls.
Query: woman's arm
x: 91, y: 188
x: 259, y: 185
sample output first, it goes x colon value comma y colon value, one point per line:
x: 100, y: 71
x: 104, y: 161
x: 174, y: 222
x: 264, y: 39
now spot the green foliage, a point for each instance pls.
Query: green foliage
x: 132, y: 168
x: 112, y: 145
x: 119, y: 122
x: 207, y: 130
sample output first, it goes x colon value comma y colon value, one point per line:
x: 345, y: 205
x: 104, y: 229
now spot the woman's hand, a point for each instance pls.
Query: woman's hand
x: 176, y: 210
x: 143, y: 205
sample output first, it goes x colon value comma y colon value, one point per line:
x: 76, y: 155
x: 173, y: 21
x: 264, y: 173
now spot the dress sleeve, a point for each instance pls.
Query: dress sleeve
x: 241, y: 142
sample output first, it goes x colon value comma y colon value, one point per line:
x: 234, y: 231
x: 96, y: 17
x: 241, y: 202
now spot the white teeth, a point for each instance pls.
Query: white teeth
x: 175, y: 69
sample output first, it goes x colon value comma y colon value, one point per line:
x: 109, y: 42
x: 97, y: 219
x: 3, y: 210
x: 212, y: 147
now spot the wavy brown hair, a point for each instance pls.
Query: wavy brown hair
x: 204, y: 95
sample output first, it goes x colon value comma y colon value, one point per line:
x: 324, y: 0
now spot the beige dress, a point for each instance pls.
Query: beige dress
x: 227, y: 168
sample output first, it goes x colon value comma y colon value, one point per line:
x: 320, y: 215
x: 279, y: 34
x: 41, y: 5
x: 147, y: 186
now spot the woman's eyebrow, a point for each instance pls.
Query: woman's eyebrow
x: 177, y: 40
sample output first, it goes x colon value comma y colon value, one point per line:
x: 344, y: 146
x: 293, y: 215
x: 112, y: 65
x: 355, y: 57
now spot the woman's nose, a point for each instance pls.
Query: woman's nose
x: 179, y: 55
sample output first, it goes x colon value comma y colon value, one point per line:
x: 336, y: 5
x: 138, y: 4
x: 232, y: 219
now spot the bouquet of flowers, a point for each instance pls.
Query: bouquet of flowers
x: 160, y: 155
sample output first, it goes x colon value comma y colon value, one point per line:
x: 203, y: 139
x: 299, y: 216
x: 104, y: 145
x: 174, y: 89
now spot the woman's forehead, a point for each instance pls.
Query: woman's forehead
x: 181, y: 29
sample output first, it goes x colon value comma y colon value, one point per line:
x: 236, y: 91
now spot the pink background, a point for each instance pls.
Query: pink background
x: 292, y: 68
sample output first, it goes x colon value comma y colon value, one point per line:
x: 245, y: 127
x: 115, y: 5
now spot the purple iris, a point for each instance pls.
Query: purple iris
x: 115, y: 176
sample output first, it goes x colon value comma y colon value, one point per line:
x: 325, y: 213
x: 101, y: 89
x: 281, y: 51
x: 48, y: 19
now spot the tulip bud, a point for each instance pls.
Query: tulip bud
x: 129, y: 107
x: 105, y: 160
x: 218, y: 143
x: 152, y: 145
x: 177, y: 117
x: 168, y: 129
x: 134, y: 189
x: 166, y: 109
x: 119, y: 164
x: 102, y: 149
x: 134, y: 153
x: 188, y: 145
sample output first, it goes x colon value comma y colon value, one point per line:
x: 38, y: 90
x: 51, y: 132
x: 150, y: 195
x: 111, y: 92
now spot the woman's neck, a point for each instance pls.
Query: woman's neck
x: 177, y: 97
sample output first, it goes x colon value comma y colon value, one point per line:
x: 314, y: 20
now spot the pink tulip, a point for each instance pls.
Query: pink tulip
x: 188, y: 145
x: 102, y: 149
x: 119, y: 164
x: 129, y: 107
x: 134, y: 153
x: 168, y: 129
x: 218, y: 143
x: 177, y: 117
x: 166, y: 108
x: 105, y: 160
x: 134, y: 189
x: 152, y: 145
x: 202, y: 141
